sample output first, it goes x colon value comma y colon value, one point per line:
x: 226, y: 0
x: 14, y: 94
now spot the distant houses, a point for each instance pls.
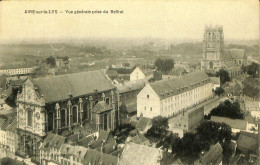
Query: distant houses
x: 139, y: 73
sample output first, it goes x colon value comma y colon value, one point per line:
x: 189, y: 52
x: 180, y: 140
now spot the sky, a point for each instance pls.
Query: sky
x: 174, y: 19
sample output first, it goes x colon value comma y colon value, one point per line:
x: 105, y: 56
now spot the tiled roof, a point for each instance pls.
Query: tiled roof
x: 12, y: 127
x: 131, y: 86
x: 134, y: 154
x: 96, y: 157
x: 227, y: 54
x: 168, y: 88
x: 140, y: 139
x: 85, y: 141
x: 146, y: 72
x: 53, y: 141
x: 213, y: 156
x: 237, y: 53
x: 252, y: 91
x: 233, y: 123
x: 215, y: 80
x: 101, y: 106
x: 60, y: 87
x: 143, y: 123
x: 77, y: 151
x: 247, y: 143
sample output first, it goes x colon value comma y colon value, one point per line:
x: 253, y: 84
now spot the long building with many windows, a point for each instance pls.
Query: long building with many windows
x: 170, y: 97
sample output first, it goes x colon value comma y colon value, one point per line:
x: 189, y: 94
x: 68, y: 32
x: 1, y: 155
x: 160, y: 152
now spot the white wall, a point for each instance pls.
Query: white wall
x: 136, y: 74
x: 149, y: 107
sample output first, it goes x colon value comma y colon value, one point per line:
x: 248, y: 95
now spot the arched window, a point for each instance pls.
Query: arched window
x: 107, y: 100
x: 29, y: 117
x: 75, y: 114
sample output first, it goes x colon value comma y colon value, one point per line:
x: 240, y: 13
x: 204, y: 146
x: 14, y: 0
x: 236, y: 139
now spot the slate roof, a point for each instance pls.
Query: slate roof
x: 12, y: 127
x: 131, y: 86
x: 215, y: 80
x: 246, y: 143
x: 213, y: 156
x: 96, y: 157
x: 252, y: 91
x: 58, y: 88
x: 141, y: 139
x: 233, y: 123
x: 101, y: 106
x: 227, y: 54
x: 85, y: 141
x: 77, y: 151
x: 143, y: 123
x: 237, y: 53
x: 52, y: 141
x: 134, y: 154
x: 168, y: 88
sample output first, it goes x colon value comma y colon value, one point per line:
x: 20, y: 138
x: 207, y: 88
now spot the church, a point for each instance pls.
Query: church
x: 52, y: 104
x: 215, y: 57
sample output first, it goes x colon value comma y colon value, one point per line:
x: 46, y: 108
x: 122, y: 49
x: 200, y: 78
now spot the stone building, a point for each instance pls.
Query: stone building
x: 170, y: 97
x: 213, y: 45
x: 52, y: 104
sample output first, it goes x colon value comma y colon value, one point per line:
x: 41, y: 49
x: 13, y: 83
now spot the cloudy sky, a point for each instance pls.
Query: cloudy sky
x: 164, y: 19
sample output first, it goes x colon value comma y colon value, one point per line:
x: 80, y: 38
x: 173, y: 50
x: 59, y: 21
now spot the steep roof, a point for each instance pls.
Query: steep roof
x: 141, y: 139
x: 143, y: 123
x: 215, y: 80
x: 58, y: 88
x: 237, y: 53
x: 214, y: 155
x: 233, y: 123
x: 252, y: 91
x: 96, y: 157
x: 12, y: 127
x: 139, y: 154
x: 168, y: 88
x: 247, y: 143
x: 53, y: 141
x: 131, y: 86
x: 101, y: 106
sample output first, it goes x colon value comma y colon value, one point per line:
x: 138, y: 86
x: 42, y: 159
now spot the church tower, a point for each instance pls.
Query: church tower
x: 213, y: 46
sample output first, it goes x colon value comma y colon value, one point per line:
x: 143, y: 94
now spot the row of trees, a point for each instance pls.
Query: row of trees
x: 191, y: 145
x: 227, y: 109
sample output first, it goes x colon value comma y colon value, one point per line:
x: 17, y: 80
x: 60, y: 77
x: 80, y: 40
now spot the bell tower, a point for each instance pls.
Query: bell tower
x: 213, y: 46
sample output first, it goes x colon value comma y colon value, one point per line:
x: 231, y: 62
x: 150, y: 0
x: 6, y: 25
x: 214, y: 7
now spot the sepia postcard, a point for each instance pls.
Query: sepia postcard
x: 173, y: 82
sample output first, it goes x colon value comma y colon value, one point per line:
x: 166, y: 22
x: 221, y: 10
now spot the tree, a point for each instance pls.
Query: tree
x: 219, y: 91
x: 164, y: 65
x: 51, y: 61
x: 224, y: 76
x: 159, y: 127
x: 227, y: 109
x: 252, y: 69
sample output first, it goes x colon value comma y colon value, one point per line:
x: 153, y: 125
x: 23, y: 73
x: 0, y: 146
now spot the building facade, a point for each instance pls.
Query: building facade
x: 170, y: 97
x: 138, y: 74
x: 18, y: 71
x: 213, y: 46
x: 52, y: 104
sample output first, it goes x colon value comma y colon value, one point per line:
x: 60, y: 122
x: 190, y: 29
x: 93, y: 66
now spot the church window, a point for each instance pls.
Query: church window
x: 107, y: 100
x: 29, y: 117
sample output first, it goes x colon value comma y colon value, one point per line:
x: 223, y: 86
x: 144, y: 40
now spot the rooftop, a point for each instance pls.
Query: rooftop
x: 146, y: 155
x: 101, y: 106
x: 168, y: 88
x: 77, y: 84
x: 213, y: 156
x: 233, y: 123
